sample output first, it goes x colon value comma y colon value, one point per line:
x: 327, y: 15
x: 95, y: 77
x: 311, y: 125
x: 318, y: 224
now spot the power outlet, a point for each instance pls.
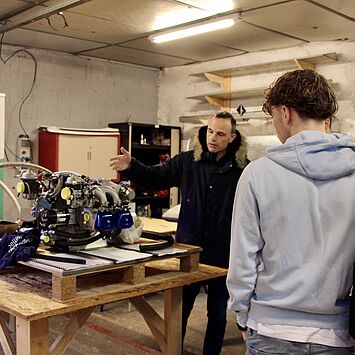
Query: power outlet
x: 24, y: 153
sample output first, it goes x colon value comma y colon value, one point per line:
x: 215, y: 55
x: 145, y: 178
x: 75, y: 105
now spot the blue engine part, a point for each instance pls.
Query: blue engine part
x: 123, y: 219
x: 106, y: 221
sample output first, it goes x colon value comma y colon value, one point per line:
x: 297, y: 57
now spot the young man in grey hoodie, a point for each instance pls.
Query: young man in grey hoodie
x: 293, y: 228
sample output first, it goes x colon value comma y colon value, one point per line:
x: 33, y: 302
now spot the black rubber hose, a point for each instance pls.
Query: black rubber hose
x: 168, y: 240
x: 72, y: 243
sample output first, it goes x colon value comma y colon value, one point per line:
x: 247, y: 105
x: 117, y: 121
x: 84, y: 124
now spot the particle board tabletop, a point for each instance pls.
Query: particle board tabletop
x: 26, y: 293
x: 158, y: 225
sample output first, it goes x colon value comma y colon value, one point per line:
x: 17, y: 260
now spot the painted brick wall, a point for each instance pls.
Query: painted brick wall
x: 71, y: 91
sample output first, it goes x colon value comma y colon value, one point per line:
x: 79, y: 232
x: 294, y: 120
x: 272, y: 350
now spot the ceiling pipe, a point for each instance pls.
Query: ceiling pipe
x: 24, y: 19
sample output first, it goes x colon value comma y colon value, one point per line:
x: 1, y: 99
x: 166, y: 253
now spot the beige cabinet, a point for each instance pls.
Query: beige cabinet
x: 87, y: 153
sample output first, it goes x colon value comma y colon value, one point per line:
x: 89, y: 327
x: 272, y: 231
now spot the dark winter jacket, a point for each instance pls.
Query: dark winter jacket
x: 207, y: 189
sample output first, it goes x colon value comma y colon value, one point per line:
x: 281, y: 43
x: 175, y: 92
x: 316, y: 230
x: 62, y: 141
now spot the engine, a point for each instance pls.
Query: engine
x: 73, y: 210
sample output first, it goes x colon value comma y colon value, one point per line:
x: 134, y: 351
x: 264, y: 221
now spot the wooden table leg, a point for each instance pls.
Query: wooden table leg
x: 167, y: 331
x: 5, y: 338
x: 172, y: 319
x: 76, y: 322
x: 153, y: 320
x: 32, y: 336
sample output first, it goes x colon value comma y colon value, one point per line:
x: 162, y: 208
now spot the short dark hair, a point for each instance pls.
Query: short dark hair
x: 226, y: 114
x: 304, y: 90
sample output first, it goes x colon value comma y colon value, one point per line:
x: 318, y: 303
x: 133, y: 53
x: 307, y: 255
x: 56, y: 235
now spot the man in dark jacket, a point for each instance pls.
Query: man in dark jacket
x: 207, y: 177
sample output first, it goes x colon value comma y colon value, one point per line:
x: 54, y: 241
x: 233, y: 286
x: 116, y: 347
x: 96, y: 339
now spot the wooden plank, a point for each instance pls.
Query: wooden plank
x: 32, y: 307
x: 213, y: 100
x: 302, y: 64
x: 198, y: 116
x: 78, y: 319
x: 173, y: 322
x: 158, y: 225
x: 153, y: 320
x: 224, y: 82
x: 32, y: 337
x: 189, y: 263
x: 11, y: 324
x: 284, y: 64
x: 233, y: 94
x: 167, y: 332
x: 19, y: 298
x: 215, y: 78
x: 134, y: 274
x: 63, y: 287
x: 7, y: 344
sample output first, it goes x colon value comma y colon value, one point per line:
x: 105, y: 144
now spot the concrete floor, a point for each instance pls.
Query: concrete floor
x: 119, y: 330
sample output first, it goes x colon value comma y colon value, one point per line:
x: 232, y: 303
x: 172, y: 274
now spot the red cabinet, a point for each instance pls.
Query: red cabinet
x: 83, y: 152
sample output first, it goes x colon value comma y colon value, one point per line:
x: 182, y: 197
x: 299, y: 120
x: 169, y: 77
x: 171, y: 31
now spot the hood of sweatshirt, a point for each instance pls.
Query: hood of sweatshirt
x: 316, y: 155
x: 238, y: 148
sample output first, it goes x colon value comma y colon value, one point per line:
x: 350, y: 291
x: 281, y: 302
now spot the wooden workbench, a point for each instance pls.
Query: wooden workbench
x: 26, y: 295
x: 158, y: 225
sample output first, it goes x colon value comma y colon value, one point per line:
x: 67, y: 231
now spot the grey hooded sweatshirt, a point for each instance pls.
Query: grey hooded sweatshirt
x: 293, y: 234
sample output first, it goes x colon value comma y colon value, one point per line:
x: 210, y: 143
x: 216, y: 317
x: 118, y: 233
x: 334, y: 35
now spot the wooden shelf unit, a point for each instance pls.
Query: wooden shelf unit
x: 201, y: 117
x: 223, y: 77
x: 217, y: 97
x: 286, y: 64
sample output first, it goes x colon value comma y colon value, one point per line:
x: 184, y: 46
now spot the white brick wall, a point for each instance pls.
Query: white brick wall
x: 71, y: 91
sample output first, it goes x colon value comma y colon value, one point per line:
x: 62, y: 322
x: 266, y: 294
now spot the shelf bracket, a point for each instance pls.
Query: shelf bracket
x: 224, y: 104
x: 225, y: 84
x: 302, y: 64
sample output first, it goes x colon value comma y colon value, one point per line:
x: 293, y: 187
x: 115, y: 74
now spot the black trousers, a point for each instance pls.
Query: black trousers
x: 217, y: 298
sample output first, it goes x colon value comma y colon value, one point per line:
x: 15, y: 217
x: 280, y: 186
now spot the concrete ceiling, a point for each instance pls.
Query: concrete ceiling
x: 119, y: 29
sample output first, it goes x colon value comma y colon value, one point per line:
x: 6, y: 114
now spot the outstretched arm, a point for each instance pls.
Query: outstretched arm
x: 122, y: 161
x: 156, y: 177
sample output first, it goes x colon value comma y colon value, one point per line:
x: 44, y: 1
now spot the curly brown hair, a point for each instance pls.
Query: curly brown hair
x: 304, y: 90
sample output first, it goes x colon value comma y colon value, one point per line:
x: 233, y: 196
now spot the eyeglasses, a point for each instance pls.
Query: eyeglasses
x: 267, y: 110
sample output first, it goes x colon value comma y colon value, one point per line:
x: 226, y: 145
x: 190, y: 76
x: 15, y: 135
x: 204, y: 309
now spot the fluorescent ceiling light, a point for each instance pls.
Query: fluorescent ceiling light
x: 193, y: 30
x: 198, y: 10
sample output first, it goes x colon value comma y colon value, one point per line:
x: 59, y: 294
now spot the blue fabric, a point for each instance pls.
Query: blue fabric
x: 217, y: 298
x: 21, y: 245
x: 258, y: 344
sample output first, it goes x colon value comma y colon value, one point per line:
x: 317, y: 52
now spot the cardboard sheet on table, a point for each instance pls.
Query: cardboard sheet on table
x: 117, y: 255
x: 90, y: 262
x: 160, y: 252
